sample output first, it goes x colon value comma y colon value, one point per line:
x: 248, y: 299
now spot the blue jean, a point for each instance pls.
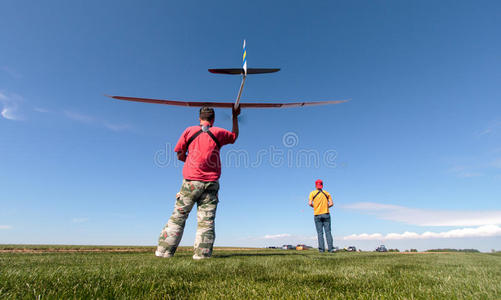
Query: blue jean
x: 323, y: 222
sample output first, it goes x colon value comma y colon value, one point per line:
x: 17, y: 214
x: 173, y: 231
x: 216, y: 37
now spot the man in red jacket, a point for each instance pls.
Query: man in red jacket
x: 199, y: 148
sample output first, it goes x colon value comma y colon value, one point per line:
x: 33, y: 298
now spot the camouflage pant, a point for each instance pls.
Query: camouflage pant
x: 204, y: 194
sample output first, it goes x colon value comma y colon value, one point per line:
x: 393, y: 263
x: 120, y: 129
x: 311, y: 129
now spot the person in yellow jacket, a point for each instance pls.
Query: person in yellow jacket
x: 321, y: 200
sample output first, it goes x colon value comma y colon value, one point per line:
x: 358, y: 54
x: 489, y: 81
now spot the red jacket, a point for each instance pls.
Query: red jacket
x: 203, y: 162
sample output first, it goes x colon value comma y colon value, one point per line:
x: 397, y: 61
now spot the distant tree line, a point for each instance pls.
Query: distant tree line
x: 443, y: 250
x: 452, y: 250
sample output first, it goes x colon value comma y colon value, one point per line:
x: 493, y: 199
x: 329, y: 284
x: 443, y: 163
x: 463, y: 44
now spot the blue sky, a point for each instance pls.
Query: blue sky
x: 413, y: 161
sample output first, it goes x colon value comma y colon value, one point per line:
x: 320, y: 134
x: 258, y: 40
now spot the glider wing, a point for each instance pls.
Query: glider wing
x: 226, y: 104
x: 291, y: 104
x: 175, y: 102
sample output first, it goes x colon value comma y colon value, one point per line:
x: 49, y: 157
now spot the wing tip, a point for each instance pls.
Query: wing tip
x: 112, y: 97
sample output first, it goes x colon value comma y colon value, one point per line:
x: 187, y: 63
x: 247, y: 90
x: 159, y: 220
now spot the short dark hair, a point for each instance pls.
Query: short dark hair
x: 207, y: 113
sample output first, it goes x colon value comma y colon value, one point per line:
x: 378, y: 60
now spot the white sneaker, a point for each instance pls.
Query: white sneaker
x: 196, y: 257
x: 164, y: 255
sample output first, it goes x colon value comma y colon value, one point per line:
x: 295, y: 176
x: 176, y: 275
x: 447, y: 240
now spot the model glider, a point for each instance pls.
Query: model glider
x: 244, y: 71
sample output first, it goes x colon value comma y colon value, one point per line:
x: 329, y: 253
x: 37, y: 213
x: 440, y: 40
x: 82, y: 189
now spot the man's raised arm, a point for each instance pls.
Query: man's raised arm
x: 234, y: 129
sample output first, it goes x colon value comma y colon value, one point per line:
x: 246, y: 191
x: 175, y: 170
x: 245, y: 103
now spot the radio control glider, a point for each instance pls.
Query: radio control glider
x: 244, y: 71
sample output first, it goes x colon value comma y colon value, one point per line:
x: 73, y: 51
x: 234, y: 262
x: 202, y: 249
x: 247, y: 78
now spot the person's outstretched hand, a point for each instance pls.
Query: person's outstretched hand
x: 235, y: 112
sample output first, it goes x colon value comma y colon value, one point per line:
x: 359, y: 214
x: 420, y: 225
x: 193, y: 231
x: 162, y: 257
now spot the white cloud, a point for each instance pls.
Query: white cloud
x: 277, y: 236
x: 484, y: 164
x: 9, y: 113
x: 78, y: 117
x: 422, y: 217
x: 364, y: 236
x: 41, y: 110
x: 10, y: 106
x: 469, y: 174
x: 491, y: 129
x: 482, y: 231
x: 86, y: 119
x: 496, y: 163
x: 117, y: 127
x: 467, y: 171
x: 486, y: 131
x: 5, y: 227
x: 13, y: 73
x: 79, y: 220
x: 372, y: 206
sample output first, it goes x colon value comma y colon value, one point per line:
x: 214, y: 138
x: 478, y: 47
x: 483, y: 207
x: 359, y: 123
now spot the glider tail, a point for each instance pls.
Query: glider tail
x: 244, y: 60
x: 244, y: 75
x: 244, y: 71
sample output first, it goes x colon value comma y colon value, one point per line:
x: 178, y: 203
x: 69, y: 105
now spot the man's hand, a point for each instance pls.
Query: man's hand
x: 235, y: 112
x: 310, y: 203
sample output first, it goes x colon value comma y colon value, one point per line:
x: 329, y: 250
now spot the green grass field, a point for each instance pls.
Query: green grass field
x: 241, y: 274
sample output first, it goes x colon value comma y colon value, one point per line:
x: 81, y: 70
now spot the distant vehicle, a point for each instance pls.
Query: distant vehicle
x: 335, y: 249
x: 273, y: 247
x: 351, y: 249
x: 302, y: 247
x: 288, y: 247
x: 381, y: 248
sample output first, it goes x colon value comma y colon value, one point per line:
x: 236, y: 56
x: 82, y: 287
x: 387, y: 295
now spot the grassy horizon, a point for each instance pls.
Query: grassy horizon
x: 256, y: 273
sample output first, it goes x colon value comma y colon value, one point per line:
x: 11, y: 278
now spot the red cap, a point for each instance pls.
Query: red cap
x: 319, y: 184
